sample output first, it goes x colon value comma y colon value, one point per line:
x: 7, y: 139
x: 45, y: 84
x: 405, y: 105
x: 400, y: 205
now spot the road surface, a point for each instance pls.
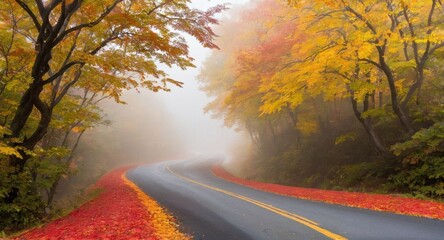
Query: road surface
x: 208, y: 207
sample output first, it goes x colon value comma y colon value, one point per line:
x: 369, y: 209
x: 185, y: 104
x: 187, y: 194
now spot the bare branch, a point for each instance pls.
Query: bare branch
x: 69, y: 85
x: 158, y: 6
x: 87, y: 25
x: 61, y: 71
x: 31, y: 14
x: 67, y: 58
x: 371, y: 62
x: 41, y: 7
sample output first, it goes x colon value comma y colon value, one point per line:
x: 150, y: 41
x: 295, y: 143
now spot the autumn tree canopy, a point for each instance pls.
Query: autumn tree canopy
x: 311, y: 80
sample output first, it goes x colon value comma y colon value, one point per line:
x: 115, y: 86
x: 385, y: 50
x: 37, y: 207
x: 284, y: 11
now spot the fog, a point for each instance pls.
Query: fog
x: 153, y: 127
x: 203, y: 135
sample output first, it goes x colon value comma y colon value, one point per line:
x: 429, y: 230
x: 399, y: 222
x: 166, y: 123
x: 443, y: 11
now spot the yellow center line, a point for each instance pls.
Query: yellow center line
x: 304, y: 221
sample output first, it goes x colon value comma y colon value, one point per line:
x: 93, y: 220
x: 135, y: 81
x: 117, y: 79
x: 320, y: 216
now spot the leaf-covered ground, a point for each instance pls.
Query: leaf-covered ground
x: 379, y: 202
x: 121, y: 211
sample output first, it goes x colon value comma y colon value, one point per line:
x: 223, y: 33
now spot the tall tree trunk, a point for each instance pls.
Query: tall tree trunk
x: 23, y: 112
x: 399, y: 109
x: 254, y: 138
x: 292, y: 114
x: 273, y: 133
x: 53, y: 189
x: 368, y: 125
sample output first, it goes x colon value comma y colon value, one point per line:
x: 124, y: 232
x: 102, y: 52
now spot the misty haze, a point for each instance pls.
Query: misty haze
x: 221, y: 119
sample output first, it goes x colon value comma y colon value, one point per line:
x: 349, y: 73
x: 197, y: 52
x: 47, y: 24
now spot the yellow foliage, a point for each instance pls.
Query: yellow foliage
x: 336, y: 49
x: 163, y: 223
x: 307, y: 127
x: 6, y: 150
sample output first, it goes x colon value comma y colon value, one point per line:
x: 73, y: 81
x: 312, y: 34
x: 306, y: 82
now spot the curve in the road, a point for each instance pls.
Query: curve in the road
x: 304, y: 221
x: 211, y: 208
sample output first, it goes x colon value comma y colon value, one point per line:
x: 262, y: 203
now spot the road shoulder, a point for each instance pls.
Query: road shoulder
x: 378, y: 202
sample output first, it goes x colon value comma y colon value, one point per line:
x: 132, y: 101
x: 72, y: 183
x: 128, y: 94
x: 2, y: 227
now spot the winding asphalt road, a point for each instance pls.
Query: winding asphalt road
x: 208, y: 207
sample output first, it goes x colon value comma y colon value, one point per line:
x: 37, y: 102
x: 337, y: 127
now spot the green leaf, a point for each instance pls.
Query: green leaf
x: 351, y: 136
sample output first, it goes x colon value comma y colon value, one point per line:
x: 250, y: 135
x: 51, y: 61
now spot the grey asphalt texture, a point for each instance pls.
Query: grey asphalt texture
x: 207, y: 214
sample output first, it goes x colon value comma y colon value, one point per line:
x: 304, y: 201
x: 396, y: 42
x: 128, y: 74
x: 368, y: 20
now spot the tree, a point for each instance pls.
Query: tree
x: 399, y: 43
x: 58, y: 49
x: 378, y: 61
x: 245, y: 64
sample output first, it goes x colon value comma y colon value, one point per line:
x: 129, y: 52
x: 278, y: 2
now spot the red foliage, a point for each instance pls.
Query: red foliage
x: 116, y: 214
x: 379, y: 202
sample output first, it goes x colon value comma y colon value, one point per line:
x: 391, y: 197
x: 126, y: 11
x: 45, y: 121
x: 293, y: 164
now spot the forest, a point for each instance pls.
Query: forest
x: 333, y: 94
x: 58, y: 61
x: 345, y: 95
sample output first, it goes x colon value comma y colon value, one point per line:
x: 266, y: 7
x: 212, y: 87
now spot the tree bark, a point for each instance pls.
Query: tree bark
x: 399, y: 110
x: 273, y: 133
x: 368, y: 125
x: 292, y: 114
x: 53, y: 189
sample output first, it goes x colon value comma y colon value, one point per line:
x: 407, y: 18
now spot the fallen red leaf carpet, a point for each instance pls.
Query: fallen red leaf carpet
x: 121, y: 211
x: 379, y: 202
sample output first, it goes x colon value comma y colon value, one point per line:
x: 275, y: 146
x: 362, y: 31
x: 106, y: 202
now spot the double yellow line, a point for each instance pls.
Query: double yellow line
x: 304, y: 221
